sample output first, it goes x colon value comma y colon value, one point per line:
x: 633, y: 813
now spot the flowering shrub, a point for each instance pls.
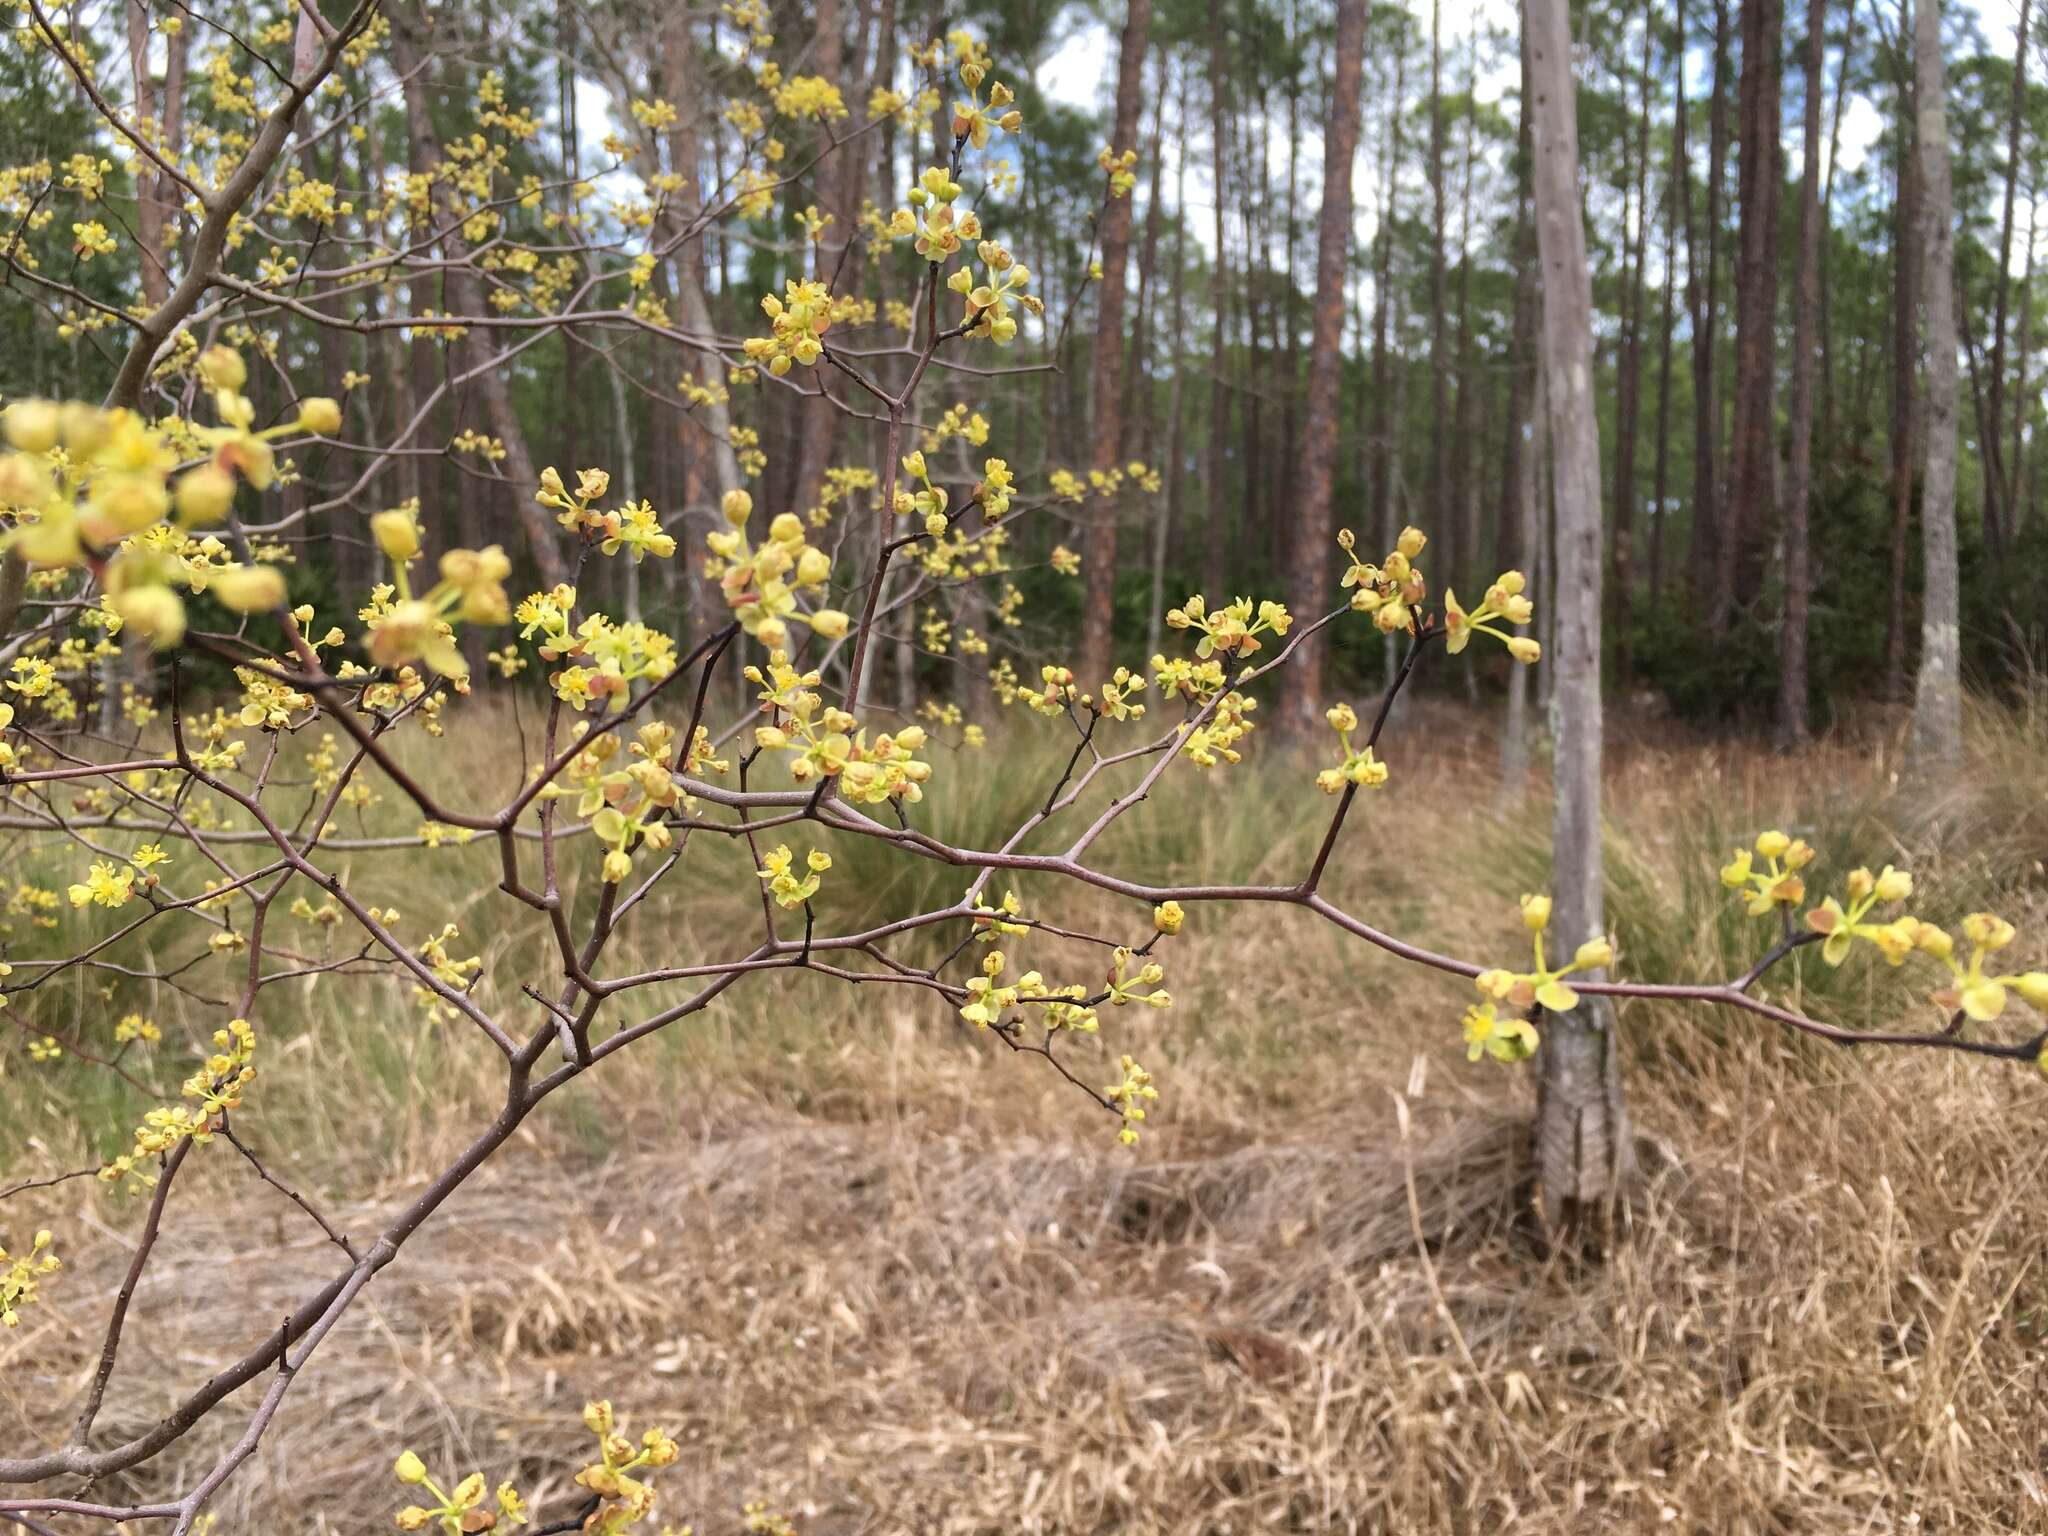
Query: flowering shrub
x: 221, y: 818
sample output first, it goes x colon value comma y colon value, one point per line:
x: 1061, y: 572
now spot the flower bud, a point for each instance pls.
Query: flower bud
x: 32, y: 425
x: 1523, y: 649
x: 737, y: 506
x: 1535, y: 913
x: 222, y: 367
x: 1594, y: 955
x: 204, y: 495
x: 23, y: 481
x: 829, y: 623
x: 320, y: 416
x: 1167, y: 917
x: 249, y: 588
x: 396, y: 534
x: 123, y: 505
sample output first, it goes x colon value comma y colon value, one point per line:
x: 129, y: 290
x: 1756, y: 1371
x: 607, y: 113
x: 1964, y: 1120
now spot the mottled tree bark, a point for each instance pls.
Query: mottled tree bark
x: 1582, y: 1137
x: 1938, y: 693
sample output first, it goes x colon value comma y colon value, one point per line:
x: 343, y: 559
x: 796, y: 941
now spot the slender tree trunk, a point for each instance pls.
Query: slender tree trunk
x: 1705, y: 546
x: 1628, y: 383
x: 1792, y: 730
x: 1310, y: 590
x: 1098, y: 613
x: 1140, y: 423
x: 1827, y: 214
x: 1997, y: 518
x: 1176, y: 413
x: 1521, y: 477
x: 1442, y: 431
x: 516, y: 472
x: 1582, y: 1137
x: 1938, y: 693
x: 1752, y: 450
x: 1660, y: 477
x: 1217, y: 533
x: 836, y: 181
x: 2016, y: 453
x: 1907, y: 408
x: 710, y: 466
x: 1383, y: 424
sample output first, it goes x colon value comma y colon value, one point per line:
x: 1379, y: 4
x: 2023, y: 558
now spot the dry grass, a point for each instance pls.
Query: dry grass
x: 891, y: 1282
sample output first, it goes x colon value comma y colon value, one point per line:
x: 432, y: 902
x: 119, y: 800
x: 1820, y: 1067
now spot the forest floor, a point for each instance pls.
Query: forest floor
x: 889, y: 1279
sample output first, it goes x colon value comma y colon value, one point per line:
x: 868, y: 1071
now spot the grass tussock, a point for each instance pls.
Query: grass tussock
x: 891, y: 1280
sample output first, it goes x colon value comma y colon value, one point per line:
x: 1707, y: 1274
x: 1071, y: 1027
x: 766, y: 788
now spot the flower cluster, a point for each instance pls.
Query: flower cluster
x: 778, y: 868
x: 1778, y: 884
x: 1360, y: 768
x: 624, y: 1498
x: 828, y: 743
x: 761, y: 583
x: 1504, y: 601
x: 96, y: 488
x: 636, y: 526
x: 21, y: 1274
x: 1232, y: 630
x: 404, y: 628
x: 1129, y: 1095
x: 797, y: 323
x: 1973, y: 990
x: 215, y: 1089
x: 1541, y: 986
x: 987, y: 304
x: 973, y: 119
x: 460, y: 1512
x: 1392, y: 591
x: 627, y: 804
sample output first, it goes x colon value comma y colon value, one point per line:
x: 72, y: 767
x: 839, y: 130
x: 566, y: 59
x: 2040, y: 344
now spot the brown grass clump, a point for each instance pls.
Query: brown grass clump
x: 863, y: 1268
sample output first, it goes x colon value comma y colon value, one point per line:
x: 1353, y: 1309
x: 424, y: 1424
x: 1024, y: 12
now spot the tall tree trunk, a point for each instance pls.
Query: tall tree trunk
x: 710, y: 466
x: 1628, y: 383
x: 1139, y: 424
x: 1383, y: 425
x: 1310, y: 589
x: 1449, y: 556
x: 1938, y: 693
x: 1705, y: 545
x: 1098, y: 613
x: 1521, y: 470
x: 836, y: 181
x: 1907, y: 407
x: 1827, y: 214
x: 1660, y: 477
x: 1997, y: 516
x: 1217, y: 534
x: 1582, y: 1137
x: 1176, y: 412
x: 409, y: 54
x: 1799, y: 477
x: 2015, y: 496
x: 1752, y: 450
